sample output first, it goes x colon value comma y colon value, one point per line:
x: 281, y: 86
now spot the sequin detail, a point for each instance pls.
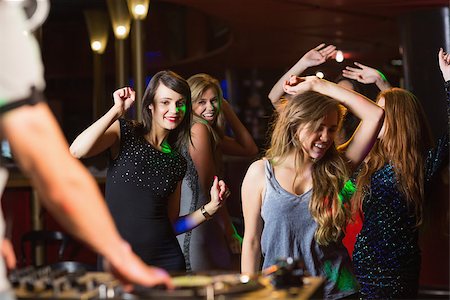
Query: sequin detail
x: 386, y: 256
x: 139, y: 183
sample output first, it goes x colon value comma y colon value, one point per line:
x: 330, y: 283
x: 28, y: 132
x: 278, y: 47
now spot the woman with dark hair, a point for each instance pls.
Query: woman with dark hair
x: 144, y: 176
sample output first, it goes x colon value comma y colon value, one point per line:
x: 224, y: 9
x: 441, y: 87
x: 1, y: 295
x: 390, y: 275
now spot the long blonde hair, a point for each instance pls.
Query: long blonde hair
x: 199, y: 83
x: 404, y: 143
x: 329, y: 173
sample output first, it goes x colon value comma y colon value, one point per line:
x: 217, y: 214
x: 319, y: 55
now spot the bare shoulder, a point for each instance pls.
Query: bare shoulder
x: 200, y: 137
x: 253, y: 187
x: 255, y: 174
x: 199, y: 129
x: 257, y: 167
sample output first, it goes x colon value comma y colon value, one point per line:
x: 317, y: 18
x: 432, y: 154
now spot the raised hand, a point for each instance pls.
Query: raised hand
x: 296, y: 85
x: 363, y: 74
x: 318, y: 55
x: 444, y: 64
x: 219, y: 193
x: 124, y: 98
x: 313, y: 57
x: 366, y: 75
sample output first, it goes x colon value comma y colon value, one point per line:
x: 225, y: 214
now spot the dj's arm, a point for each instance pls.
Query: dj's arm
x: 65, y: 187
x: 69, y: 192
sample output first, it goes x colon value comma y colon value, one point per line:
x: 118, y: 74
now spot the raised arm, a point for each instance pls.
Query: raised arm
x: 105, y: 132
x: 370, y: 114
x: 252, y: 192
x: 69, y: 192
x: 444, y: 64
x: 313, y: 57
x: 367, y: 75
x: 438, y: 156
x: 242, y: 144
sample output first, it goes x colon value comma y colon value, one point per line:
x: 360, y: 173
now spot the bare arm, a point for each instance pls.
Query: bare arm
x: 367, y: 75
x: 105, y: 132
x: 185, y: 223
x: 252, y: 191
x: 69, y: 192
x: 444, y: 64
x: 313, y: 57
x: 204, y: 161
x: 242, y: 144
x: 371, y: 115
x: 7, y: 251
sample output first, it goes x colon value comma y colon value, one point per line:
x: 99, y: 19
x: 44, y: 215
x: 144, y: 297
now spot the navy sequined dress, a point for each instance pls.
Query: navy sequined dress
x: 139, y: 182
x: 386, y: 256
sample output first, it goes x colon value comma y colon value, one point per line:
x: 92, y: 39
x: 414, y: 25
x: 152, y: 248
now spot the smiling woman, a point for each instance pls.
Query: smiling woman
x: 145, y: 171
x: 294, y: 194
x: 209, y: 247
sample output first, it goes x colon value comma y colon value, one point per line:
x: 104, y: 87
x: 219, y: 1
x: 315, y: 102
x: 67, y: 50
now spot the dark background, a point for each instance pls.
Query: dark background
x: 247, y: 45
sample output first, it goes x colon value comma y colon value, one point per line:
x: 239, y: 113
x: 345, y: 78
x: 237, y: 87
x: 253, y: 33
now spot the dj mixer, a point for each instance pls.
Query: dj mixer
x: 51, y: 282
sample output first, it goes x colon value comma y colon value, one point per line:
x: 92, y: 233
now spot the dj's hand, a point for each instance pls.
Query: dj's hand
x: 131, y: 270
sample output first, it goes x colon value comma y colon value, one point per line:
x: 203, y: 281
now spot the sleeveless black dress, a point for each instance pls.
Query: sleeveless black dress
x: 138, y: 184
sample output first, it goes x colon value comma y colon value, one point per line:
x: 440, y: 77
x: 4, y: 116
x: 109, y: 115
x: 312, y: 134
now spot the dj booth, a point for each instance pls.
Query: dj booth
x: 56, y: 283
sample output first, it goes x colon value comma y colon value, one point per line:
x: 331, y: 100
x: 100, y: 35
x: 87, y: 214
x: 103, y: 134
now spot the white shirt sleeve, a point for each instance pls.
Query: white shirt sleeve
x: 20, y: 59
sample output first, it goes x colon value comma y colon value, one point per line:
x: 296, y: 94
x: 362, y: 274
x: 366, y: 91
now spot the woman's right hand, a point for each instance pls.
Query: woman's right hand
x: 296, y: 85
x: 318, y: 55
x: 219, y: 193
x: 124, y: 99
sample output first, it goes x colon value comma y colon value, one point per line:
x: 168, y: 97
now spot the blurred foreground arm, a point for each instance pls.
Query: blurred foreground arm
x: 69, y: 192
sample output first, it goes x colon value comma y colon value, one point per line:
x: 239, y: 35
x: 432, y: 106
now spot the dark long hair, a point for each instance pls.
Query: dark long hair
x: 175, y: 82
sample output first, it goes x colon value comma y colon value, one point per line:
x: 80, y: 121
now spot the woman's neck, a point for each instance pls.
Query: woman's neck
x: 296, y: 160
x: 157, y: 137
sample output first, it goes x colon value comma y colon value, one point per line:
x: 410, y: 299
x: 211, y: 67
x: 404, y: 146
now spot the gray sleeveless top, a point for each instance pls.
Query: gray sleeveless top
x: 205, y: 247
x: 289, y: 232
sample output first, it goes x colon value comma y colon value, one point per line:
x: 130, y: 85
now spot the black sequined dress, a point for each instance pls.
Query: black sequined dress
x: 386, y: 256
x: 138, y: 184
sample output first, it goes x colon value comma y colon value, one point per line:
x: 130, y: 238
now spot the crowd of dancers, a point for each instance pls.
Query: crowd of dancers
x: 165, y: 188
x: 297, y: 199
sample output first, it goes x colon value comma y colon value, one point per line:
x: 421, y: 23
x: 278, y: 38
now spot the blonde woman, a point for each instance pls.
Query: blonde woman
x: 209, y: 246
x: 292, y: 200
